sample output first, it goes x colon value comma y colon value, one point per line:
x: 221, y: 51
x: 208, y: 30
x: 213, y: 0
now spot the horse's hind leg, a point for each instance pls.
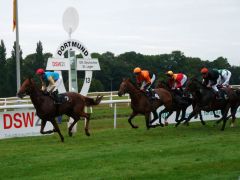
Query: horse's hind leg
x: 86, y: 128
x: 233, y: 114
x: 226, y: 109
x: 56, y: 128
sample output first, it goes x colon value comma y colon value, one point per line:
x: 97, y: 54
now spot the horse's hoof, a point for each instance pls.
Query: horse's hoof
x: 222, y: 129
x: 166, y: 123
x: 176, y: 125
x: 62, y: 139
x: 134, y: 127
x: 70, y: 133
x: 186, y: 123
x: 162, y: 125
x: 87, y: 133
x: 203, y: 123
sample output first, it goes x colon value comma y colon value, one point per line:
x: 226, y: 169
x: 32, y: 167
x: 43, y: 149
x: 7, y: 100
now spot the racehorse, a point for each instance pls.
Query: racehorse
x: 46, y: 110
x: 178, y: 107
x: 141, y: 104
x: 205, y: 99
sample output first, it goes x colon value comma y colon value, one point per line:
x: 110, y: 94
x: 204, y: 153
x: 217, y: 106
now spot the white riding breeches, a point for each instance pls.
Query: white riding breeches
x: 57, y: 84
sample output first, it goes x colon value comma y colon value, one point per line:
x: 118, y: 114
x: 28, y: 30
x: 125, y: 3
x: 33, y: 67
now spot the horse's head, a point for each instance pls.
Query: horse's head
x: 193, y: 84
x: 162, y: 84
x: 123, y: 87
x: 26, y: 88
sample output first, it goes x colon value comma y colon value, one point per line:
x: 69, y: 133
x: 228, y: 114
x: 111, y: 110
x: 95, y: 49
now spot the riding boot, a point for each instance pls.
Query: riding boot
x: 56, y: 97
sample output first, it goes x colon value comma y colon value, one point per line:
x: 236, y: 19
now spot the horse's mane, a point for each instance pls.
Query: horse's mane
x: 130, y: 81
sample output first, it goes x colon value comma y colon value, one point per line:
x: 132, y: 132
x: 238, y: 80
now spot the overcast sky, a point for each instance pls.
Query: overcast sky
x: 200, y: 28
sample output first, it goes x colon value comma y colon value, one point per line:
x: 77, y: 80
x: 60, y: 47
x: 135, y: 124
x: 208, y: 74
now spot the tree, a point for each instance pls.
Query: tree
x: 39, y: 61
x: 11, y: 78
x: 2, y: 69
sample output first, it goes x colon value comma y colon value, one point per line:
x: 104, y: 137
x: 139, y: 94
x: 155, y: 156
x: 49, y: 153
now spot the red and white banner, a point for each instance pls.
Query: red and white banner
x: 20, y: 123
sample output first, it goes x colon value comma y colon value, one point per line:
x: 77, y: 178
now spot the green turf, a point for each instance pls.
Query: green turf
x: 193, y: 152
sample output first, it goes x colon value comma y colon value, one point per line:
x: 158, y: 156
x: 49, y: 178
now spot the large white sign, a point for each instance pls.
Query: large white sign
x: 21, y: 123
x: 88, y: 65
x: 76, y: 45
x: 58, y: 64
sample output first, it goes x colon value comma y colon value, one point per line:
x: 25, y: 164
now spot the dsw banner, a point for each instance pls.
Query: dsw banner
x: 20, y: 123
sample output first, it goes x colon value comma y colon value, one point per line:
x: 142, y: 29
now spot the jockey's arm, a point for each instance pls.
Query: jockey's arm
x: 52, y: 84
x: 178, y: 84
x: 44, y: 87
x: 147, y: 85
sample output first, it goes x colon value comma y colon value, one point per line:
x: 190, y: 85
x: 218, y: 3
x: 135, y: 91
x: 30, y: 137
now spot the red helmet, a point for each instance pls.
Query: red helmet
x: 204, y: 70
x: 40, y: 71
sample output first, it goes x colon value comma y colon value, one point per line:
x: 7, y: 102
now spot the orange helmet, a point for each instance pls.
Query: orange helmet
x: 170, y: 73
x: 40, y: 71
x: 204, y: 70
x: 137, y: 70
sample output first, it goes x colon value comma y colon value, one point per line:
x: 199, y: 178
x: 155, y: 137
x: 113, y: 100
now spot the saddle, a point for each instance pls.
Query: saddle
x: 57, y: 98
x: 151, y: 94
x: 60, y: 98
x: 221, y: 94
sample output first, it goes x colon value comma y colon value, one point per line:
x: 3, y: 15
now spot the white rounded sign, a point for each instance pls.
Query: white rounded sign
x: 70, y: 20
x: 73, y: 44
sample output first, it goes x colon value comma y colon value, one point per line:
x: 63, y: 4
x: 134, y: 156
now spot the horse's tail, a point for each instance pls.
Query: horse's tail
x: 92, y: 102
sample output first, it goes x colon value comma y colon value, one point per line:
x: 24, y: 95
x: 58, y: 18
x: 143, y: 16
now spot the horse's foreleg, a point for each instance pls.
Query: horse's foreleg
x: 233, y: 114
x: 56, y: 128
x: 130, y: 119
x: 160, y: 117
x: 177, y: 115
x: 43, y: 124
x: 215, y: 115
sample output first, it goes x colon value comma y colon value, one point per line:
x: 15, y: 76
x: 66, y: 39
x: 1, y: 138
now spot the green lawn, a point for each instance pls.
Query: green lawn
x: 194, y: 152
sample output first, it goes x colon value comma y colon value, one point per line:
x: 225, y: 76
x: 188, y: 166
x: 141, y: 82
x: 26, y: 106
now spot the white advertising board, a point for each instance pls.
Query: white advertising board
x: 58, y: 64
x: 206, y: 115
x: 88, y: 65
x: 21, y: 123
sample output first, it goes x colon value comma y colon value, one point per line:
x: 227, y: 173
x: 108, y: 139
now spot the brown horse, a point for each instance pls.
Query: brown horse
x: 141, y: 104
x: 47, y: 110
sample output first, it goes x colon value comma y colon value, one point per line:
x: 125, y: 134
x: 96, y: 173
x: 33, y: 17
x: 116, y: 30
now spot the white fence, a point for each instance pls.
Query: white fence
x: 17, y: 116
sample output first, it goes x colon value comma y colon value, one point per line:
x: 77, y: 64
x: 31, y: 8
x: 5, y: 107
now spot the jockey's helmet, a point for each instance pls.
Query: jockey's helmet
x: 169, y: 73
x: 40, y: 71
x: 137, y: 70
x: 204, y: 70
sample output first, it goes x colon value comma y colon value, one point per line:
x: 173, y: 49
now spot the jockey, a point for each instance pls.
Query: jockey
x: 52, y: 79
x: 176, y: 81
x: 145, y: 80
x: 224, y: 77
x: 210, y: 79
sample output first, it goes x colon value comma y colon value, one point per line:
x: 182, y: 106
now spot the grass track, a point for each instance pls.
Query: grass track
x: 193, y: 152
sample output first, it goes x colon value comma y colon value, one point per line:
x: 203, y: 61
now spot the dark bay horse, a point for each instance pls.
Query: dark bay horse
x: 178, y: 107
x: 179, y: 103
x: 46, y: 110
x: 206, y: 100
x: 141, y: 104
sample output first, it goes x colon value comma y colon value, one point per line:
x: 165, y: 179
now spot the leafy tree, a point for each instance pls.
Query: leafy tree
x: 2, y: 69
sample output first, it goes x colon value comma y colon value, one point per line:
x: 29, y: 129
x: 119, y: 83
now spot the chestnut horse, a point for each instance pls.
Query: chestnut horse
x: 46, y: 110
x: 141, y: 104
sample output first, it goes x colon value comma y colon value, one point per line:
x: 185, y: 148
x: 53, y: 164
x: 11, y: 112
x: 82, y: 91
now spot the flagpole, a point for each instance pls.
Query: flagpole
x: 17, y: 50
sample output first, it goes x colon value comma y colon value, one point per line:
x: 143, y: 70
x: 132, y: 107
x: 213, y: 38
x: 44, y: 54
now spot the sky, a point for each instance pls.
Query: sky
x: 206, y: 29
